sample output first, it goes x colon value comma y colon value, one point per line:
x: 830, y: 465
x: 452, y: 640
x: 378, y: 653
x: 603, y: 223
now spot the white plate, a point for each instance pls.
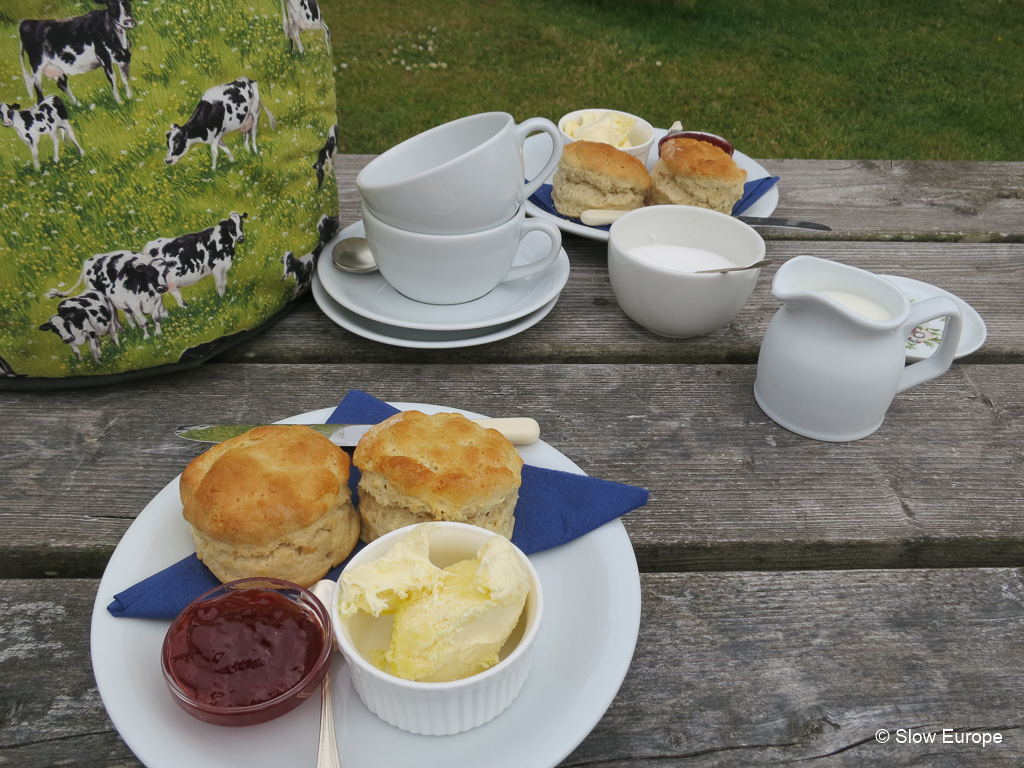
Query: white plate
x: 372, y: 297
x: 926, y: 338
x: 585, y: 645
x: 416, y: 339
x: 537, y: 149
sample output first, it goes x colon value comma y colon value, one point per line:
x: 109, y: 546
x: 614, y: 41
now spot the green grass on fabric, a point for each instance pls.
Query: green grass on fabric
x: 866, y: 79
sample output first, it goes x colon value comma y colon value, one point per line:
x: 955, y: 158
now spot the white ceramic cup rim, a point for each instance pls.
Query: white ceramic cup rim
x: 389, y: 155
x: 352, y: 653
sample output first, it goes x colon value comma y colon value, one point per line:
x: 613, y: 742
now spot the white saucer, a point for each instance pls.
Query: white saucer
x: 926, y: 338
x: 372, y: 297
x: 537, y: 150
x: 417, y: 339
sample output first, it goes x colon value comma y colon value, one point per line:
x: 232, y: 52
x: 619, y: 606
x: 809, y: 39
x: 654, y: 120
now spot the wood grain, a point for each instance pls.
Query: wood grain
x: 587, y: 325
x: 862, y: 199
x: 939, y: 485
x: 752, y: 669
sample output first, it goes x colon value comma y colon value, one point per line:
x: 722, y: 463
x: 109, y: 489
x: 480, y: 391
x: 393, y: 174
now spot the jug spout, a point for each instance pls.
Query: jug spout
x: 847, y: 294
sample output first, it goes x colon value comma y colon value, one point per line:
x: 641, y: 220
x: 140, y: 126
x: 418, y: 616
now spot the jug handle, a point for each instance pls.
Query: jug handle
x: 939, y: 362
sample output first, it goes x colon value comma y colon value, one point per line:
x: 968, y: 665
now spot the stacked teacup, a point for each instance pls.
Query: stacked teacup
x: 445, y: 211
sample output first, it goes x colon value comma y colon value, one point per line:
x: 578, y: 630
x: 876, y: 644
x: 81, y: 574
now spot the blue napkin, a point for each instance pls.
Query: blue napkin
x: 752, y: 192
x: 554, y: 508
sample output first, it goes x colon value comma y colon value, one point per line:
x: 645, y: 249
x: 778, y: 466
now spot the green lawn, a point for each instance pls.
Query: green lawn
x: 866, y: 79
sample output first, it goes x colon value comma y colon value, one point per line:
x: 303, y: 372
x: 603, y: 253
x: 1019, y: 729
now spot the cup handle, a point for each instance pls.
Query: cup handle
x: 939, y: 362
x: 554, y: 234
x: 527, y: 127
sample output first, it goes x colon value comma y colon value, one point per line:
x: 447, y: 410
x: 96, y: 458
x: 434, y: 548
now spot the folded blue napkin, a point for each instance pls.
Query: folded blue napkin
x: 554, y: 508
x: 752, y: 192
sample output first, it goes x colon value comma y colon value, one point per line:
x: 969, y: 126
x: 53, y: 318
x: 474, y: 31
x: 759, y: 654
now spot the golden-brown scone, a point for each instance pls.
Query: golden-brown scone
x: 418, y: 468
x: 271, y: 502
x: 595, y: 175
x: 692, y: 172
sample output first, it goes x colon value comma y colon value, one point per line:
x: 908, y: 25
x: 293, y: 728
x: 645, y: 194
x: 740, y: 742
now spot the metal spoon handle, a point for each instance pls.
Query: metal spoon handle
x: 327, y: 752
x: 755, y: 265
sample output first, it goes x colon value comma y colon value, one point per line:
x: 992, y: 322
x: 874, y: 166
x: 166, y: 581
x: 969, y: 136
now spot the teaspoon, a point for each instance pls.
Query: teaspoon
x: 327, y: 752
x: 353, y: 255
x: 755, y: 265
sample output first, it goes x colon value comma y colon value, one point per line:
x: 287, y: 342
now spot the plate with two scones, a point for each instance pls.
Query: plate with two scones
x: 302, y: 518
x: 684, y: 171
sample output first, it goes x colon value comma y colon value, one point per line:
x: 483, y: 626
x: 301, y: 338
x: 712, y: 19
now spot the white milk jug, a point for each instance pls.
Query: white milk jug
x: 834, y: 355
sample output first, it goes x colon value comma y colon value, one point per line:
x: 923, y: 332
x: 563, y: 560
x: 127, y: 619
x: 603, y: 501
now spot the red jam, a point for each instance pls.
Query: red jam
x: 243, y: 648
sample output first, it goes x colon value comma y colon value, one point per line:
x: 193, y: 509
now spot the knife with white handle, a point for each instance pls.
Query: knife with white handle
x: 596, y: 217
x: 518, y: 431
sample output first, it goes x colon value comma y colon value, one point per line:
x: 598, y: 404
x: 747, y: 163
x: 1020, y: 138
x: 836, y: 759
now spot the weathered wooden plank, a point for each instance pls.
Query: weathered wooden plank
x: 864, y: 199
x: 744, y: 668
x: 587, y: 324
x: 939, y: 485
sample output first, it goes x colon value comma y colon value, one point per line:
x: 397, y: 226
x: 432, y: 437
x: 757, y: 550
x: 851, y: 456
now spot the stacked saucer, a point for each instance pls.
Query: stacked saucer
x: 369, y: 306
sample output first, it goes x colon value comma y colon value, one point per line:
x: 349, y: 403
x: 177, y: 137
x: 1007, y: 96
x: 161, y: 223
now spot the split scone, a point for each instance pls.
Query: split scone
x: 692, y: 172
x: 272, y: 502
x: 592, y: 175
x: 417, y: 468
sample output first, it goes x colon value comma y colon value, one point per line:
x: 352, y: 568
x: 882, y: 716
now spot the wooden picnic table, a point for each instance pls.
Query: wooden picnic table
x: 798, y: 596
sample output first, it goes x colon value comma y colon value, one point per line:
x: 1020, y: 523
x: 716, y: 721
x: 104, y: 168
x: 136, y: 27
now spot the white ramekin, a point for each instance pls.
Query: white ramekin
x: 441, y: 709
x: 641, y: 136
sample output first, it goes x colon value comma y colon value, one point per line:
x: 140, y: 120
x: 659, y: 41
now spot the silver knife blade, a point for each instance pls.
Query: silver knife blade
x: 792, y: 223
x: 345, y: 435
x: 519, y: 430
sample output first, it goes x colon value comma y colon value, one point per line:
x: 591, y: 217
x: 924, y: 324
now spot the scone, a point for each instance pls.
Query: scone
x: 417, y: 468
x: 595, y: 175
x: 692, y: 172
x: 272, y: 502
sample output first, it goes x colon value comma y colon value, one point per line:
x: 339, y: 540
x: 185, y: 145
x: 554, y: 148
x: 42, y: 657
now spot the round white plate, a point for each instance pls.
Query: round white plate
x: 416, y: 339
x: 925, y: 338
x: 537, y: 150
x: 583, y: 650
x: 372, y: 297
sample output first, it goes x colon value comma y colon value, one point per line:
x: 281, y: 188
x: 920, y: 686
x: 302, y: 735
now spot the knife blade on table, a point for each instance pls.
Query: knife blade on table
x: 773, y: 222
x: 519, y: 431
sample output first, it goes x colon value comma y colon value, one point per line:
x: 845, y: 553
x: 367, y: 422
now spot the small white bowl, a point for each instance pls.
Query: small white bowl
x: 436, y: 709
x: 641, y: 136
x: 682, y: 304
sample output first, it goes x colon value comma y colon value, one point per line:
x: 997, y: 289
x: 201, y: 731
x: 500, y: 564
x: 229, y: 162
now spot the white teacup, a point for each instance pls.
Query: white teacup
x: 452, y: 269
x: 463, y: 176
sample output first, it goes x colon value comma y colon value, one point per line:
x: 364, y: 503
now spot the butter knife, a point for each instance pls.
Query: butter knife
x: 597, y: 217
x: 519, y: 431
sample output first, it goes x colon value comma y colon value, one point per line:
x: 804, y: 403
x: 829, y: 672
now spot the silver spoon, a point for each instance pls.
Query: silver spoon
x: 353, y: 255
x: 755, y: 265
x: 327, y: 752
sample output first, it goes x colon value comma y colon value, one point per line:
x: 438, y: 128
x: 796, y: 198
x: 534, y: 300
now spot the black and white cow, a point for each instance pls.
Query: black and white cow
x: 327, y: 228
x: 59, y: 48
x: 222, y: 110
x: 129, y: 283
x: 301, y: 269
x: 47, y: 118
x: 325, y: 157
x: 185, y: 260
x: 301, y: 15
x: 83, y: 319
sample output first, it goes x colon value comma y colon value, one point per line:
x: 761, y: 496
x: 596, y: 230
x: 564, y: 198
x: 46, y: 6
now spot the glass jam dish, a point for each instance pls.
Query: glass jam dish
x: 247, y: 651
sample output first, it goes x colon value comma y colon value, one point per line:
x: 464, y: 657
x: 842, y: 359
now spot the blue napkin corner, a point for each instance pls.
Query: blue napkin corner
x: 554, y: 508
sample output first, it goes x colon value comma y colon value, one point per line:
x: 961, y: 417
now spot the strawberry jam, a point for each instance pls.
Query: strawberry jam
x: 242, y: 648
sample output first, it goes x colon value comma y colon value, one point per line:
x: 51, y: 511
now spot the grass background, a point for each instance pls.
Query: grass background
x: 864, y: 79
x: 121, y: 194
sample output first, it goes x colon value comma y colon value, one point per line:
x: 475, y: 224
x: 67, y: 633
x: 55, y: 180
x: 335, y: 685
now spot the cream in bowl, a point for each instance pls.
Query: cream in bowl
x: 628, y: 133
x: 654, y: 254
x: 437, y: 623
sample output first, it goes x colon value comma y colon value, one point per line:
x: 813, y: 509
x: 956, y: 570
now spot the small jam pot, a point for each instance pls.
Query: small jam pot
x: 247, y: 651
